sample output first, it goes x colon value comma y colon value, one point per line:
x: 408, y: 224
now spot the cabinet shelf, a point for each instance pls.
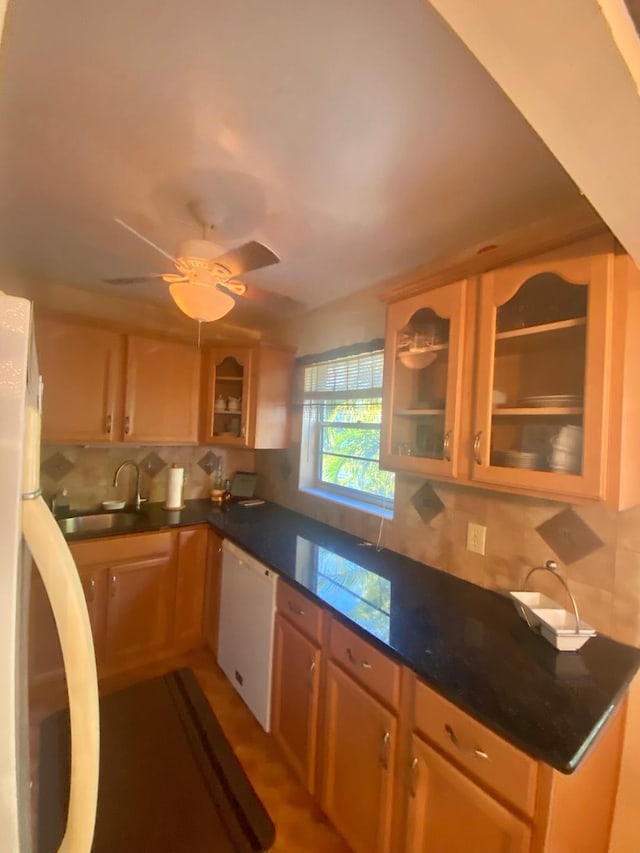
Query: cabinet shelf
x: 539, y: 411
x: 561, y: 334
x: 416, y: 413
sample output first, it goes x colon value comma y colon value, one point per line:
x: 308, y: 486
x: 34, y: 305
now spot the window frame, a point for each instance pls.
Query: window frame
x: 313, y: 426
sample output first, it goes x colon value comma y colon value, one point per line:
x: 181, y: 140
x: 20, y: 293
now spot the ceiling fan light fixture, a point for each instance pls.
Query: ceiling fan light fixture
x: 203, y: 302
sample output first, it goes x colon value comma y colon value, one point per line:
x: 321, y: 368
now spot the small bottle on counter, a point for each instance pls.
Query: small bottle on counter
x: 226, y: 495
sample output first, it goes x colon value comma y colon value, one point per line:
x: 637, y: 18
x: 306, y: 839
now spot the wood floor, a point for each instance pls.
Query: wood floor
x: 300, y: 825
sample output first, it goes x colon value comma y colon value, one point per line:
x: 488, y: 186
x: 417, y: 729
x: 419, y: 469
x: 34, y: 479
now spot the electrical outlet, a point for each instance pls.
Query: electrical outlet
x: 476, y: 537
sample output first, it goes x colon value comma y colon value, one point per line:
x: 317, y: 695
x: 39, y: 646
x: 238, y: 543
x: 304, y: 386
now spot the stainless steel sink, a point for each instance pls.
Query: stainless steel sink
x: 100, y: 521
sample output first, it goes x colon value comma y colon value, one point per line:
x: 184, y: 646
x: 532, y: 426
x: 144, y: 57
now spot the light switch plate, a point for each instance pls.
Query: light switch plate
x: 476, y: 537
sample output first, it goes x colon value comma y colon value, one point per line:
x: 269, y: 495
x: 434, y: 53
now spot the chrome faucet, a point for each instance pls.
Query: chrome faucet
x: 138, y: 499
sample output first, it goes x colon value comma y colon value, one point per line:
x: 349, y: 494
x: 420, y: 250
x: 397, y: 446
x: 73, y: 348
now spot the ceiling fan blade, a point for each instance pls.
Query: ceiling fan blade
x: 250, y: 256
x: 285, y: 306
x: 137, y: 279
x: 144, y: 239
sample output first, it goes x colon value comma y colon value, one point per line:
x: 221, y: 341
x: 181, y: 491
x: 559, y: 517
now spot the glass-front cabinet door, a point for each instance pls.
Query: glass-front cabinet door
x: 228, y: 396
x: 423, y: 382
x: 540, y: 395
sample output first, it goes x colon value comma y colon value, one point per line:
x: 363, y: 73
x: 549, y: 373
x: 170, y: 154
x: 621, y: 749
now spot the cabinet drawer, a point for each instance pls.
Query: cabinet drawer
x: 373, y: 669
x: 300, y: 610
x: 112, y: 549
x: 502, y: 767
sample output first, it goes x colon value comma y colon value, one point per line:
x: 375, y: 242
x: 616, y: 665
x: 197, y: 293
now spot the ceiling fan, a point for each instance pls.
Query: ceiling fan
x: 204, y: 285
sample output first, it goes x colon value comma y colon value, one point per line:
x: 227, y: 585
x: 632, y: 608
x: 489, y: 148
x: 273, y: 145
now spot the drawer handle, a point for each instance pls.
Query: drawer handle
x: 354, y: 660
x: 446, y: 445
x: 476, y: 448
x: 297, y: 610
x: 114, y: 584
x: 312, y: 677
x: 413, y: 777
x: 384, y: 750
x: 467, y: 750
x: 108, y: 424
x: 127, y: 425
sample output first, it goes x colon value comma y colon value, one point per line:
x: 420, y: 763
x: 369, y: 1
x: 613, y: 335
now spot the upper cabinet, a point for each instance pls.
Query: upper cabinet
x: 530, y: 387
x: 103, y: 386
x: 161, y: 392
x: 247, y: 396
x: 542, y: 370
x: 82, y: 369
x: 423, y: 382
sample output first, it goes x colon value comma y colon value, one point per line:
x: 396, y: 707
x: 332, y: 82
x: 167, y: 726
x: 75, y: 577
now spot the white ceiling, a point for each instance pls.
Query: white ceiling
x: 357, y: 139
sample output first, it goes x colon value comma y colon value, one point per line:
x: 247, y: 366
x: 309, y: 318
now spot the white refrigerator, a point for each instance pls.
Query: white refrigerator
x: 28, y: 530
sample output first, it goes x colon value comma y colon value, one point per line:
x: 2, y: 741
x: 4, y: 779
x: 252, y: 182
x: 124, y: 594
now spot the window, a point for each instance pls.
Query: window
x: 342, y: 406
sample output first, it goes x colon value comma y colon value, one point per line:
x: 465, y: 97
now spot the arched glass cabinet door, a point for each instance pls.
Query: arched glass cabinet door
x: 422, y: 383
x: 228, y: 396
x: 539, y: 420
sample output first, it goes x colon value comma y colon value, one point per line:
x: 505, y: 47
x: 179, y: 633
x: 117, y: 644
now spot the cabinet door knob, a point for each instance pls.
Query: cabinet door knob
x: 108, y: 422
x: 467, y: 750
x: 312, y: 677
x: 476, y: 447
x: 413, y: 777
x: 127, y: 425
x: 90, y: 590
x: 114, y: 583
x: 356, y: 661
x: 446, y: 445
x: 384, y: 750
x: 297, y: 610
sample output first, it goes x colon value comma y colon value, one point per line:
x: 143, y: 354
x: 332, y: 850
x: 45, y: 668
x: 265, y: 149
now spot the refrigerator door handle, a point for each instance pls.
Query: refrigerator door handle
x: 58, y: 571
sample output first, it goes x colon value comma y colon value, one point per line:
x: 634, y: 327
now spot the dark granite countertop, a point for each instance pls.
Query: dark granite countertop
x: 465, y: 641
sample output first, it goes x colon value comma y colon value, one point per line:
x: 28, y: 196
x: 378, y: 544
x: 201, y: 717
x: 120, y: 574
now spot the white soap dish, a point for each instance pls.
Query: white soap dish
x: 110, y: 506
x: 565, y: 631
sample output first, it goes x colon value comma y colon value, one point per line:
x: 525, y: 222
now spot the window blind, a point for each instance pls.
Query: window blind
x: 354, y: 377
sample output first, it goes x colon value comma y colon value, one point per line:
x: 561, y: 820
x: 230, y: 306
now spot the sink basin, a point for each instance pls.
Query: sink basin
x: 100, y: 521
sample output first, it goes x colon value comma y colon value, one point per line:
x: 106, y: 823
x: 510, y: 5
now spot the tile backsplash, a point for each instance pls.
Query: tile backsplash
x: 87, y: 472
x: 601, y: 547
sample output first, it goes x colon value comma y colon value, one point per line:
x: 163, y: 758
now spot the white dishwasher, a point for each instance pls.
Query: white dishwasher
x: 245, y: 635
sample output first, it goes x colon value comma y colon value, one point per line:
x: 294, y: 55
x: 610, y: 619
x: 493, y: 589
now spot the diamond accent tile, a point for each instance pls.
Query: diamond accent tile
x: 569, y: 536
x: 57, y: 466
x: 152, y: 464
x: 427, y: 503
x: 209, y: 462
x: 285, y: 467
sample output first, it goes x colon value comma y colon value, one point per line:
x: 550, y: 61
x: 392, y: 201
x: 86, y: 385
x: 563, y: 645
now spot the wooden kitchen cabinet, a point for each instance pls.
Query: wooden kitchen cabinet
x: 296, y: 698
x: 139, y: 609
x: 190, y: 585
x: 132, y: 598
x: 545, y: 399
x: 213, y: 583
x: 424, y: 349
x: 102, y: 385
x: 449, y: 813
x: 161, y: 392
x: 247, y: 396
x: 82, y: 370
x: 358, y: 763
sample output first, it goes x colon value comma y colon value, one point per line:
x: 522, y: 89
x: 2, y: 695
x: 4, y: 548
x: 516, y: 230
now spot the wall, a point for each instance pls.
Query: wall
x: 87, y: 472
x: 606, y: 582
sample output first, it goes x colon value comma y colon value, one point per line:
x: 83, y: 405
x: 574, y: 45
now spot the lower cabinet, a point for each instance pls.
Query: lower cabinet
x: 296, y: 698
x: 359, y: 763
x: 449, y: 813
x: 144, y: 594
x: 191, y: 573
x: 138, y: 609
x: 212, y: 586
